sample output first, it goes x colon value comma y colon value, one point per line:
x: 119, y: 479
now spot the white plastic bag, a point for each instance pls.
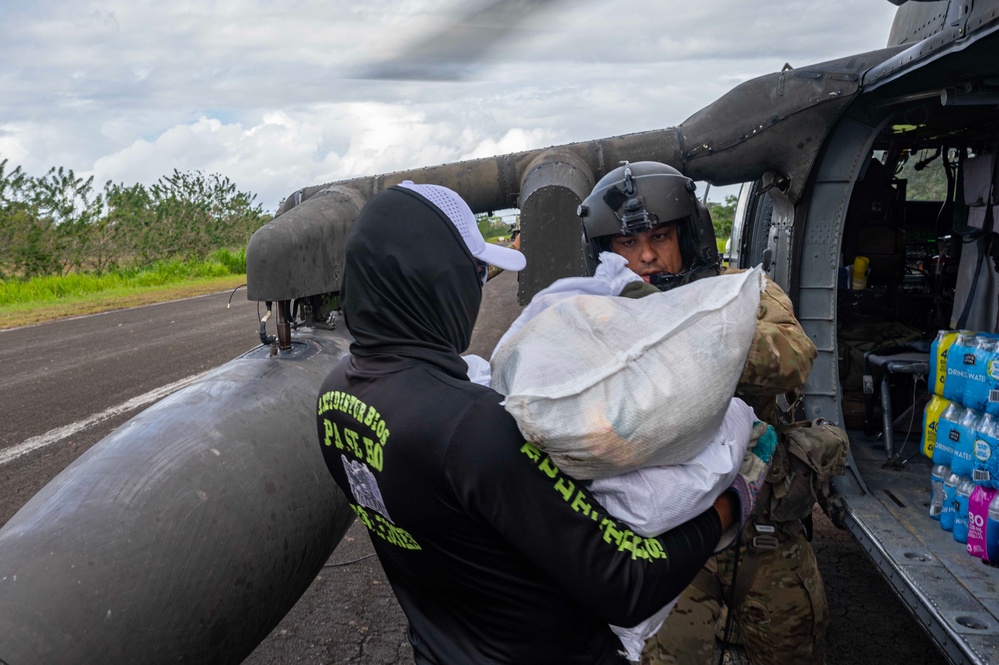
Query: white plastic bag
x: 654, y: 499
x: 610, y: 278
x: 606, y: 384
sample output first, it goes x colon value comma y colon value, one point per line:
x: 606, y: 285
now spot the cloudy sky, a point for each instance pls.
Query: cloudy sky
x: 272, y: 94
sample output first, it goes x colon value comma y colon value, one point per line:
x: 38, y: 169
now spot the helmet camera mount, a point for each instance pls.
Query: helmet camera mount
x: 628, y: 207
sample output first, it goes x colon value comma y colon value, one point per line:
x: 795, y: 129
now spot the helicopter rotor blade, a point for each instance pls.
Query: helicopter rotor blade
x: 453, y: 52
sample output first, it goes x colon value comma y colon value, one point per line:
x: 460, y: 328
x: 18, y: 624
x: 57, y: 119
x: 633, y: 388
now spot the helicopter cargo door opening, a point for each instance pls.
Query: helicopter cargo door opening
x: 893, y: 242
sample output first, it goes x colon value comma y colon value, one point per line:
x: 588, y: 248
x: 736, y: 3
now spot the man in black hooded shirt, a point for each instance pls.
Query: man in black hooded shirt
x: 494, y: 555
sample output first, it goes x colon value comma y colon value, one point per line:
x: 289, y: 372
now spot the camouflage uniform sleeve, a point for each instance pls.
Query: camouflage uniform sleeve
x: 781, y: 354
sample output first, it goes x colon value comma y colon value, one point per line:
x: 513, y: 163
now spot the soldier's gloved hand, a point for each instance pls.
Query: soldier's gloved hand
x: 755, y: 467
x: 750, y: 479
x: 763, y: 440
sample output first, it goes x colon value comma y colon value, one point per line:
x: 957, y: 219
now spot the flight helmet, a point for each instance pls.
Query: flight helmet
x: 639, y: 197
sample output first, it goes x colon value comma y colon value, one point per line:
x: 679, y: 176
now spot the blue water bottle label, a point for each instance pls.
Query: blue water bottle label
x: 961, y: 529
x: 992, y: 371
x: 983, y: 450
x: 947, y: 515
x: 985, y: 460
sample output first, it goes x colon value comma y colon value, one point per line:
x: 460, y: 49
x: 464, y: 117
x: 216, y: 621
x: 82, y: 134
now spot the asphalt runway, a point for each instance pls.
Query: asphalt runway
x: 67, y: 384
x: 59, y: 376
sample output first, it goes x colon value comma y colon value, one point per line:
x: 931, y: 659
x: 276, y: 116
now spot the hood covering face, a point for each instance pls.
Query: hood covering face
x: 410, y: 286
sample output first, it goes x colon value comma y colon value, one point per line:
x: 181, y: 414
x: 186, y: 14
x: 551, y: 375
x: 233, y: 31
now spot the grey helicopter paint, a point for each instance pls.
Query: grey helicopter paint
x: 189, y: 532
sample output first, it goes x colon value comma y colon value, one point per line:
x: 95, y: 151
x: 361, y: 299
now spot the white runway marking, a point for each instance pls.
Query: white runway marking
x: 60, y: 433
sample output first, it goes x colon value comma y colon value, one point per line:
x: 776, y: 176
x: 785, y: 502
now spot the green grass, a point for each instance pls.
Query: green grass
x: 40, y: 299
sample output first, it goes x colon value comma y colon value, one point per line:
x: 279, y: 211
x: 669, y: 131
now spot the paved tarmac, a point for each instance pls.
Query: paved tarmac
x: 65, y: 373
x: 61, y: 373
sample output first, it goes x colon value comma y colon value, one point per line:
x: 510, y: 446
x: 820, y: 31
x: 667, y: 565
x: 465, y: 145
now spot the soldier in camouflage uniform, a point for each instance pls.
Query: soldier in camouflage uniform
x: 647, y: 212
x: 781, y: 611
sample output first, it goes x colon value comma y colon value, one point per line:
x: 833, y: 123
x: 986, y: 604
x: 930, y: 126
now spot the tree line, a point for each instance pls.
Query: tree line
x: 61, y: 223
x: 722, y: 217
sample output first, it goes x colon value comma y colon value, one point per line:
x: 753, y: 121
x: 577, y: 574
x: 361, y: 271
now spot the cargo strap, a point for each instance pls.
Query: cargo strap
x: 707, y: 583
x: 749, y: 565
x: 764, y: 541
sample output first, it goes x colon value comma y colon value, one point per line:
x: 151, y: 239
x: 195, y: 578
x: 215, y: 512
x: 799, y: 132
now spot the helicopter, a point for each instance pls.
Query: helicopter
x: 169, y: 496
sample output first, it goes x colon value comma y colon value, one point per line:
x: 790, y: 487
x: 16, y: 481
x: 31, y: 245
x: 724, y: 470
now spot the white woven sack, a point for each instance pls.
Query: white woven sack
x: 606, y: 384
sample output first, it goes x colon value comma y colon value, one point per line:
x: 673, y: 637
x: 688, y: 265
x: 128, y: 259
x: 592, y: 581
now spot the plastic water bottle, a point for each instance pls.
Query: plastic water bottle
x: 976, y: 387
x: 959, y: 356
x: 948, y: 433
x: 931, y: 423
x: 992, y: 379
x: 985, y: 460
x: 937, y: 476
x: 964, y: 491
x: 978, y: 516
x: 992, y: 532
x: 938, y: 360
x: 964, y: 447
x: 949, y: 502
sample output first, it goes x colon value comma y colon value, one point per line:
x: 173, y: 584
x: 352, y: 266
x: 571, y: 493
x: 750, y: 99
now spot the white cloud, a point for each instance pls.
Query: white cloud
x: 130, y: 90
x: 515, y: 140
x: 284, y: 152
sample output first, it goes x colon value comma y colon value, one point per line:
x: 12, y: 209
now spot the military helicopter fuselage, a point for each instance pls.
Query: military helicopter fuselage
x: 801, y: 140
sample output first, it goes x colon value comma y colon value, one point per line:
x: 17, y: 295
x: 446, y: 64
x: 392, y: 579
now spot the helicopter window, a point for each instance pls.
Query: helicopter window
x: 925, y: 176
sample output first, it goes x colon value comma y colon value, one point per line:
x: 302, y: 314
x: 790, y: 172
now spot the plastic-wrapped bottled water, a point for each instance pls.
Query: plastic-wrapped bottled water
x: 948, y: 433
x: 985, y: 460
x: 977, y: 385
x: 959, y: 356
x: 963, y: 495
x: 992, y: 380
x: 931, y: 422
x: 949, y: 502
x: 964, y: 446
x: 937, y: 476
x: 938, y: 359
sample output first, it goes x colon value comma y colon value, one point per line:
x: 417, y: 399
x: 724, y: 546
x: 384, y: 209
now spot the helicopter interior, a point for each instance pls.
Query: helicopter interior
x: 917, y: 215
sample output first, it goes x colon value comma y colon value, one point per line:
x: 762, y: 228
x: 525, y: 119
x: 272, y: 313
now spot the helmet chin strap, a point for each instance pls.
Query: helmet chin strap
x: 665, y: 281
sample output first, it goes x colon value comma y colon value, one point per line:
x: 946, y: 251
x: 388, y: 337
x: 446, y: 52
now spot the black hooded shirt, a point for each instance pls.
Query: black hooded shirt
x: 410, y: 286
x: 494, y: 555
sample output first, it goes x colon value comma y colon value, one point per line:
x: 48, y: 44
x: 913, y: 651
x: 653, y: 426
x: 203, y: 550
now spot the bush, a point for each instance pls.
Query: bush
x: 59, y: 224
x: 235, y: 263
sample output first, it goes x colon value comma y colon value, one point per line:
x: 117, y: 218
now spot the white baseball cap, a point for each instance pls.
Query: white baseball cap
x: 455, y: 209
